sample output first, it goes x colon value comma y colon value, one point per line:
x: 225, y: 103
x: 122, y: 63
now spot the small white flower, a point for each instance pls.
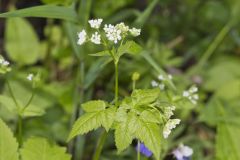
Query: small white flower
x: 82, y: 37
x: 170, y: 76
x: 185, y: 94
x: 95, y: 23
x: 121, y: 26
x: 193, y: 89
x: 182, y: 151
x: 195, y: 96
x: 166, y: 132
x: 5, y: 63
x: 30, y: 77
x: 112, y: 33
x: 96, y: 38
x: 135, y: 32
x: 154, y: 83
x: 161, y: 86
x: 171, y: 123
x: 161, y: 77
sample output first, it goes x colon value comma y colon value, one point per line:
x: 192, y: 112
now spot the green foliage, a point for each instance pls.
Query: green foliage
x: 44, y: 151
x: 8, y: 144
x: 145, y: 97
x: 46, y: 11
x: 97, y: 115
x: 30, y: 111
x: 22, y: 44
x: 227, y: 143
x: 129, y: 47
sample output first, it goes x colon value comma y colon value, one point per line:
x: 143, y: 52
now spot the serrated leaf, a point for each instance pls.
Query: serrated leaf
x: 93, y: 120
x: 124, y: 132
x: 93, y: 106
x: 151, y: 116
x: 145, y: 96
x: 30, y: 111
x: 228, y: 144
x: 149, y: 134
x: 43, y: 151
x: 130, y: 47
x: 8, y: 144
x: 22, y: 44
x: 45, y: 11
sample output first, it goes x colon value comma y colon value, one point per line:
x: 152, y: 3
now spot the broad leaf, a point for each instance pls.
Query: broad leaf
x: 228, y: 143
x: 41, y: 149
x: 22, y: 44
x: 93, y: 120
x: 124, y: 132
x: 93, y: 106
x: 151, y: 116
x: 145, y: 96
x: 45, y: 11
x: 150, y: 135
x: 8, y: 144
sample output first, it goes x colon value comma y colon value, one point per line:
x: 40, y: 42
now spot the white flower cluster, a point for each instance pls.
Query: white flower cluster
x: 30, y: 77
x: 161, y: 78
x: 182, y: 152
x: 96, y: 38
x: 171, y: 123
x: 112, y: 33
x: 82, y: 37
x: 168, y: 112
x: 95, y: 23
x: 135, y: 32
x: 4, y: 62
x: 191, y: 94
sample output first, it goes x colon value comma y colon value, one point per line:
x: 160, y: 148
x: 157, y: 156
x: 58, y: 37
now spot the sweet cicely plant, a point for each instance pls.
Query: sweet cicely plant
x: 145, y: 115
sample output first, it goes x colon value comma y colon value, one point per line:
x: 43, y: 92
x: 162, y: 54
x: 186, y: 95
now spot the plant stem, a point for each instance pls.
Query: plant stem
x: 20, y: 130
x: 116, y: 84
x: 104, y: 134
x: 138, y: 151
x: 100, y: 145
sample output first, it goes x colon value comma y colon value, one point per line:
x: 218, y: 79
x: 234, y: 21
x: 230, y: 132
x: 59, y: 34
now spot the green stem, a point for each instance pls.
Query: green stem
x: 138, y: 151
x: 116, y: 84
x: 100, y: 145
x: 12, y: 95
x: 20, y: 130
x: 29, y: 102
x: 103, y: 136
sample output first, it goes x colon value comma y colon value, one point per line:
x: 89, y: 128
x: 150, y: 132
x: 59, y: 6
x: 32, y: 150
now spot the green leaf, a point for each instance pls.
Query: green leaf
x: 145, y: 96
x: 22, y: 44
x: 45, y: 11
x: 143, y: 17
x: 94, y: 106
x: 151, y: 116
x: 149, y: 134
x: 124, y: 132
x: 101, y: 54
x: 93, y: 120
x: 8, y: 144
x: 41, y: 149
x: 228, y: 143
x: 30, y: 111
x: 130, y: 47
